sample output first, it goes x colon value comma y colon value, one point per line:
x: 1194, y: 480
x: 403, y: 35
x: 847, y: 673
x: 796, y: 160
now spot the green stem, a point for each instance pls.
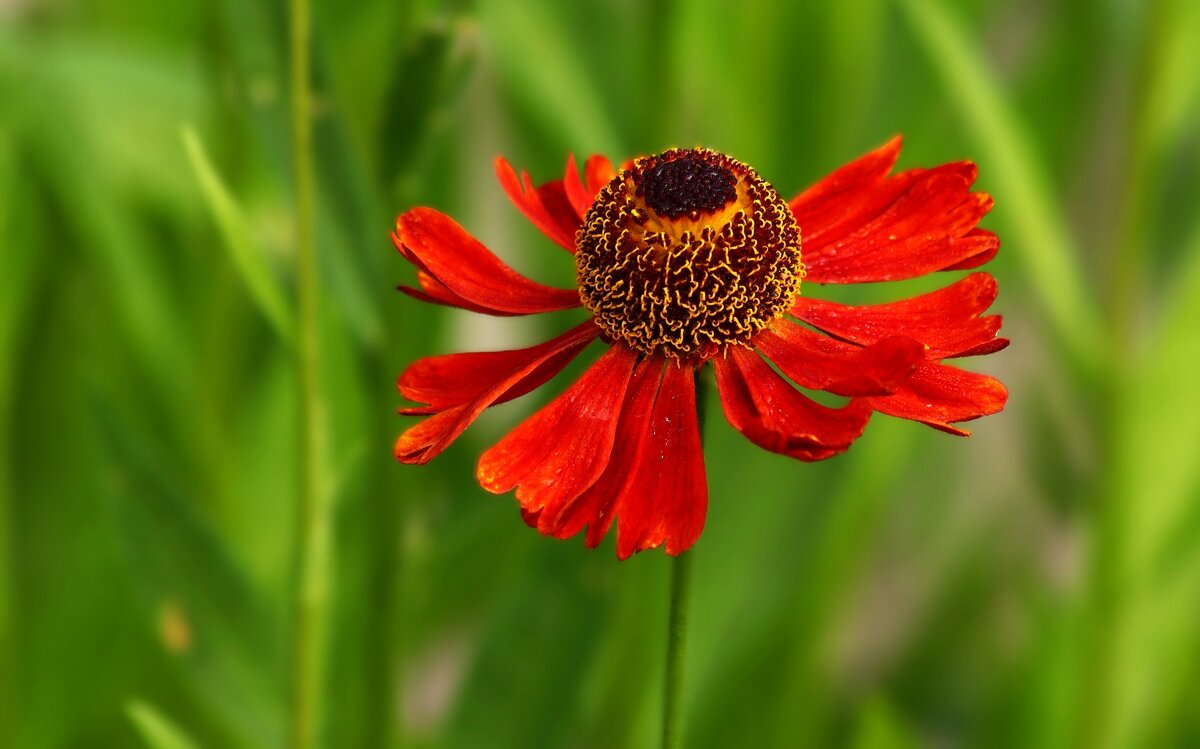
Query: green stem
x: 676, y: 650
x: 312, y: 512
x: 677, y: 618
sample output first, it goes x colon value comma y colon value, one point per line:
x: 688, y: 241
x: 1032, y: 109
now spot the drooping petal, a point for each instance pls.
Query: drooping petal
x: 469, y: 271
x: 433, y: 291
x: 556, y: 454
x: 547, y: 207
x: 509, y: 377
x: 775, y: 416
x: 949, y: 321
x: 666, y: 500
x: 939, y: 395
x: 818, y: 362
x: 859, y: 224
x: 596, y: 506
x: 446, y: 381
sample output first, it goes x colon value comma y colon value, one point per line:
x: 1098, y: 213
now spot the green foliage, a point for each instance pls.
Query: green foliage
x: 1034, y: 586
x: 157, y: 731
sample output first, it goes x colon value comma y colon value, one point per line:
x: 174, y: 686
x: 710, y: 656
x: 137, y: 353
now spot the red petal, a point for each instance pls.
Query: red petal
x: 598, y: 172
x: 858, y: 224
x: 468, y: 270
x: 556, y: 454
x: 850, y: 197
x: 453, y: 379
x: 433, y: 291
x: 818, y: 362
x: 596, y: 506
x: 989, y: 245
x: 938, y: 395
x: 577, y: 193
x: 667, y: 499
x: 775, y: 416
x: 948, y: 321
x: 547, y: 207
x: 423, y: 442
x: 844, y: 187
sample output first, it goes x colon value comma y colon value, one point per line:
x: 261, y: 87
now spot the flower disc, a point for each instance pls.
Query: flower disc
x: 687, y: 252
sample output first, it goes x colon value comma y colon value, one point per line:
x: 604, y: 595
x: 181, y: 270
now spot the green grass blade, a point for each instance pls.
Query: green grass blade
x: 17, y: 282
x: 527, y: 34
x: 879, y: 727
x: 1158, y: 572
x: 239, y: 241
x: 158, y: 731
x: 1042, y: 241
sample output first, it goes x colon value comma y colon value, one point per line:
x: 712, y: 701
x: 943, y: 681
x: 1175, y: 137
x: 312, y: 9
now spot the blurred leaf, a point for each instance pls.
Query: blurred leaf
x: 855, y: 53
x: 1052, y: 263
x: 425, y: 83
x: 1171, y: 95
x: 563, y: 93
x: 222, y: 636
x: 1158, y: 573
x: 22, y: 269
x: 156, y: 729
x: 879, y: 727
x: 247, y: 258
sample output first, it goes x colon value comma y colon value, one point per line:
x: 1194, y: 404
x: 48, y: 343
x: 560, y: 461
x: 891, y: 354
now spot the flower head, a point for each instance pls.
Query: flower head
x: 688, y: 258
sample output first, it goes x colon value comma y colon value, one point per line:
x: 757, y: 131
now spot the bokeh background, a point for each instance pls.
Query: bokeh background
x: 1036, y: 585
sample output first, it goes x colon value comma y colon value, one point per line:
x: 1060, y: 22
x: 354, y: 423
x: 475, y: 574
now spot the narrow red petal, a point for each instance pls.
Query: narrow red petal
x: 577, y: 193
x: 949, y: 321
x: 667, y: 499
x: 433, y: 291
x: 775, y: 416
x: 453, y: 379
x: 988, y: 245
x: 425, y: 441
x: 851, y: 180
x: 556, y: 454
x: 939, y: 395
x: 859, y: 224
x: 597, y: 172
x: 547, y: 207
x: 818, y: 362
x: 596, y: 506
x: 468, y: 270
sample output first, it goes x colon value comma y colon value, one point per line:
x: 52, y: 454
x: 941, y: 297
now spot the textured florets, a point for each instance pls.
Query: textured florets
x: 687, y: 252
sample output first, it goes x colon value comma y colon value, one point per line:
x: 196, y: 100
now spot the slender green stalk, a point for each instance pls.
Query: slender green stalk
x: 312, y: 512
x: 676, y: 650
x: 681, y: 577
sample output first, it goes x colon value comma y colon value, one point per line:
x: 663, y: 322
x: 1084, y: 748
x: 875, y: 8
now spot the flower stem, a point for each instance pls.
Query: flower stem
x: 312, y: 514
x: 681, y: 577
x: 676, y: 650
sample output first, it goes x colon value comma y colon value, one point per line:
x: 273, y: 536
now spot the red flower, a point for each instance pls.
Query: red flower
x: 686, y: 258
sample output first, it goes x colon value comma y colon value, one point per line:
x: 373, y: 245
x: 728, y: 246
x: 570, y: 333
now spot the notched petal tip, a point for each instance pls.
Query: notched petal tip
x: 940, y: 396
x: 862, y: 225
x: 460, y: 271
x: 548, y: 207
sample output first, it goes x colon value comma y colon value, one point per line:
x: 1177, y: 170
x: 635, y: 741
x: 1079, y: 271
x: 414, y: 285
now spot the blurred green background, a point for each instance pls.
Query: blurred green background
x: 1036, y: 585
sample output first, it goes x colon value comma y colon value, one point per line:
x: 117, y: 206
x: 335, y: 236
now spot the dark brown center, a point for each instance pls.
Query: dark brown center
x: 685, y: 185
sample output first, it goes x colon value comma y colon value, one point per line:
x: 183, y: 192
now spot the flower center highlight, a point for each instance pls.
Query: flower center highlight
x: 686, y: 253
